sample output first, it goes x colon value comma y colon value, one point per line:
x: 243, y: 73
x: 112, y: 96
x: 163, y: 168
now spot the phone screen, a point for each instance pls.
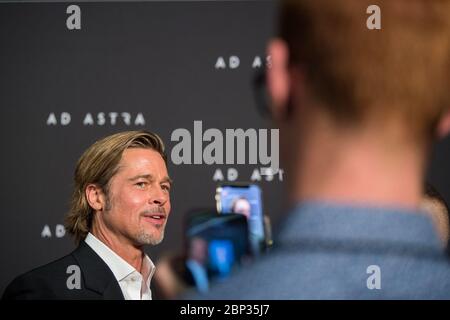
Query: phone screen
x: 215, y: 244
x: 245, y: 200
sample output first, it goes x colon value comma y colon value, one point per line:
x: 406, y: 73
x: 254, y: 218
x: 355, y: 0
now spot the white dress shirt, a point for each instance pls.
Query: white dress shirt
x: 131, y: 282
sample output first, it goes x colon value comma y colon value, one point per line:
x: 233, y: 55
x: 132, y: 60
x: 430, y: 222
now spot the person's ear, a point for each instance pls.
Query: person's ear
x: 443, y: 127
x: 95, y: 197
x: 278, y: 80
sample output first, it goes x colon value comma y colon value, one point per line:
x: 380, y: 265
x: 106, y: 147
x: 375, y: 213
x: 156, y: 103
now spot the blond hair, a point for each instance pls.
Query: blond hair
x: 400, y: 72
x: 98, y: 164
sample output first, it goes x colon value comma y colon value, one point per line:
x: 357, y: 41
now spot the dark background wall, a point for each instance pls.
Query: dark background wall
x: 156, y: 59
x: 152, y: 58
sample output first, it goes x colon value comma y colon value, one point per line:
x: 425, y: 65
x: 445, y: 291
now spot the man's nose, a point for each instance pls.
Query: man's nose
x: 158, y: 196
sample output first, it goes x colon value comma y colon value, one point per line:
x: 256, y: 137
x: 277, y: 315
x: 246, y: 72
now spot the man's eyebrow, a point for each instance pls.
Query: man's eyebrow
x: 151, y: 178
x: 146, y: 176
x: 167, y: 179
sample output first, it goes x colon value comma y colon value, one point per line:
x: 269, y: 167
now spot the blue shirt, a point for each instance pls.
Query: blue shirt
x: 330, y: 251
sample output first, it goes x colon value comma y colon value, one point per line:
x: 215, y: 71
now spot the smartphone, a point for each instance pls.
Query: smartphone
x: 216, y: 243
x: 244, y: 199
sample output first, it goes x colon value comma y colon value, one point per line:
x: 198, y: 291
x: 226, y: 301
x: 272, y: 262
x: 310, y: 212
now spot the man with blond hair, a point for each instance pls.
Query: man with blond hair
x: 120, y: 203
x: 358, y: 111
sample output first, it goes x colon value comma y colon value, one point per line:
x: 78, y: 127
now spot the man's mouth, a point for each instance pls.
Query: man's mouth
x: 155, y: 218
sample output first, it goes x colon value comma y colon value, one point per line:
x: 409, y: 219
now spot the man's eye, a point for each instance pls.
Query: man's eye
x: 165, y: 187
x: 141, y: 184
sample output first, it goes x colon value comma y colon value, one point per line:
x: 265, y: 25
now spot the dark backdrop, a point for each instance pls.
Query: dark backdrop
x: 156, y: 59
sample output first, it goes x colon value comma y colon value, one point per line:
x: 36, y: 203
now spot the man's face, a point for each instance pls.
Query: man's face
x: 242, y: 206
x: 139, y: 198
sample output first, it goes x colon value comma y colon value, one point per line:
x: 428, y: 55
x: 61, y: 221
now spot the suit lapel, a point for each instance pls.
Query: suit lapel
x: 97, y: 275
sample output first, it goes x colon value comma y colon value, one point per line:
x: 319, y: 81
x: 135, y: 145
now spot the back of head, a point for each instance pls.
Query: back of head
x: 398, y: 74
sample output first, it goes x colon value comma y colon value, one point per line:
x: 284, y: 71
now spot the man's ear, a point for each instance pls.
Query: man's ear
x: 95, y: 197
x: 278, y: 81
x: 443, y: 127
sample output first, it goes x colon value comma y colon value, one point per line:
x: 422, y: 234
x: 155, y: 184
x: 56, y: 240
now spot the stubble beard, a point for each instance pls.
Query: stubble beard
x: 144, y: 237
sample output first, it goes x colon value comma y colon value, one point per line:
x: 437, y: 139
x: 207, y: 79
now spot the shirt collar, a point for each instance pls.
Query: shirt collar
x: 148, y: 269
x: 119, y: 267
x: 331, y: 221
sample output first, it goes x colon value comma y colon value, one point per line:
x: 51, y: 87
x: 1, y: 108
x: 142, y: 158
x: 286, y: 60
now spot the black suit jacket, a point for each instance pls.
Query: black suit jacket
x: 50, y: 281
